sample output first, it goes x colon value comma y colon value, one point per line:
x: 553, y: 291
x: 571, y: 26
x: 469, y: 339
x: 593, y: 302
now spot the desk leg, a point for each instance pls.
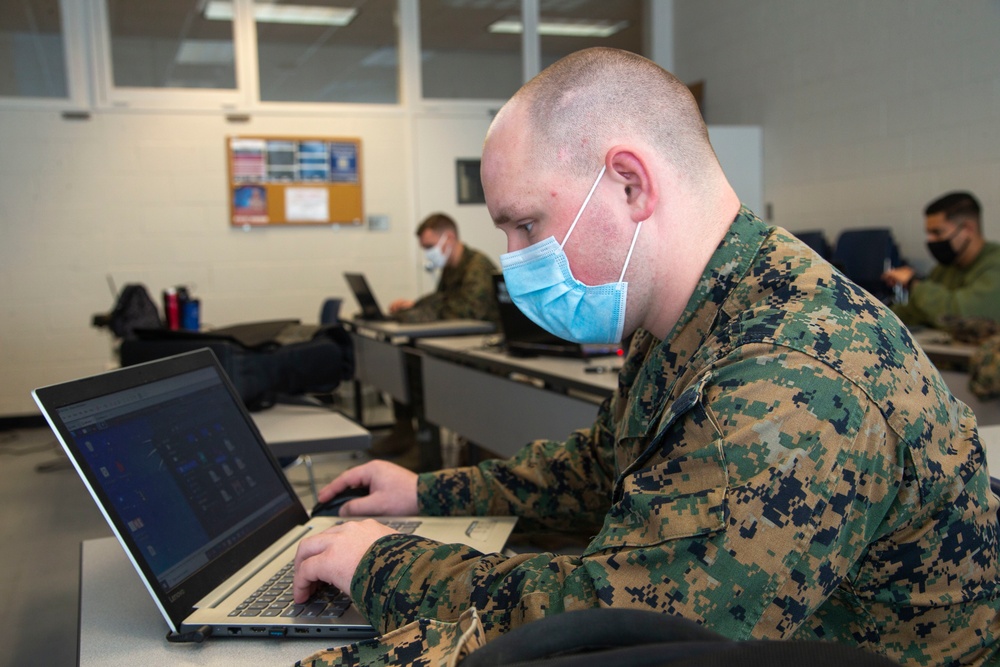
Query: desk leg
x: 429, y: 442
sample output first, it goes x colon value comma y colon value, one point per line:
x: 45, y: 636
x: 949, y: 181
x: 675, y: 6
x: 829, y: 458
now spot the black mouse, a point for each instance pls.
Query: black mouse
x: 332, y: 506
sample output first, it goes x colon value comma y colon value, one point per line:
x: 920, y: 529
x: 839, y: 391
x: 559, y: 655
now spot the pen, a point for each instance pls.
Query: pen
x: 601, y: 369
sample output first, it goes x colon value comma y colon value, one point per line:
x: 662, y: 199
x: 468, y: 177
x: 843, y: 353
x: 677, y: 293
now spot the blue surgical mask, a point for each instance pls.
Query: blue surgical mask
x: 542, y: 285
x: 436, y: 257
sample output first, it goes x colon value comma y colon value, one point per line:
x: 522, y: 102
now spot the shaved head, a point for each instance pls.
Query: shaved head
x: 581, y: 105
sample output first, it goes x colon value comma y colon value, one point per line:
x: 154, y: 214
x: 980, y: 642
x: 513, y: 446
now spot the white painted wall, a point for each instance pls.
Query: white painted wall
x: 143, y: 198
x: 440, y: 139
x: 869, y: 108
x: 739, y: 152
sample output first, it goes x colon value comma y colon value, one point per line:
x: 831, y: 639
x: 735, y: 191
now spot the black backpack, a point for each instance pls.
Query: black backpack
x: 133, y: 310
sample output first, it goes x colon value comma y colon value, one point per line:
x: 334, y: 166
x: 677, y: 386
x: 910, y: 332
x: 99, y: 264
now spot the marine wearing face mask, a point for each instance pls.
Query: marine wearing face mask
x: 436, y: 257
x: 966, y: 280
x: 541, y: 283
x: 944, y: 251
x: 779, y: 460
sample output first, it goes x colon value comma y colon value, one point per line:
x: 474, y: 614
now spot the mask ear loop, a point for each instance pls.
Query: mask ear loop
x: 628, y: 257
x: 582, y: 208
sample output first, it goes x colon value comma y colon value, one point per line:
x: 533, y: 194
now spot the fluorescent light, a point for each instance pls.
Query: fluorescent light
x: 222, y: 10
x: 561, y: 27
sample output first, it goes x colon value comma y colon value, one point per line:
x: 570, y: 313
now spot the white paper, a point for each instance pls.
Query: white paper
x: 307, y: 205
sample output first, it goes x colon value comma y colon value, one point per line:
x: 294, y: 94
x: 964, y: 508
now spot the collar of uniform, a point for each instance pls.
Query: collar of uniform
x: 665, y: 362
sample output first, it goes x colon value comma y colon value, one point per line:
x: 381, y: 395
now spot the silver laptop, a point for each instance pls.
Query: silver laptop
x: 372, y: 313
x: 201, y: 507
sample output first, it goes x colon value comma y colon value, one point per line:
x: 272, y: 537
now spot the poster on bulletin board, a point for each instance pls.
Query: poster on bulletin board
x: 294, y: 181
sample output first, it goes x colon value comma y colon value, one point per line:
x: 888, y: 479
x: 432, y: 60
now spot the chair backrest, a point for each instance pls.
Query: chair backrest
x: 862, y: 255
x: 330, y: 312
x: 816, y: 240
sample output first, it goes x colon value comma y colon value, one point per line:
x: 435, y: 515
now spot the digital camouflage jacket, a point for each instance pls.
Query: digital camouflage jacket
x: 464, y: 292
x: 973, y: 291
x: 786, y: 464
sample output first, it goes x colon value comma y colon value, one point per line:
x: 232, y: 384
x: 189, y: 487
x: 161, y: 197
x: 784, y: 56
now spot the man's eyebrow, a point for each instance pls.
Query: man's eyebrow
x: 502, y: 218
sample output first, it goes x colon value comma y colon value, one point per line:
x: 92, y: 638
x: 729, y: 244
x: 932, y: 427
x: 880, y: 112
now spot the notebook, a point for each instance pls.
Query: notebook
x: 199, y: 503
x: 522, y: 337
x: 370, y: 309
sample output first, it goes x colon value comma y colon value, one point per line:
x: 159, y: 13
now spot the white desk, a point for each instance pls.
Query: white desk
x: 291, y: 430
x: 943, y: 350
x: 379, y: 355
x: 501, y: 402
x: 120, y: 625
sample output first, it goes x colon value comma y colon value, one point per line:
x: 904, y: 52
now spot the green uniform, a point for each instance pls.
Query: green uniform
x: 786, y: 464
x: 464, y: 292
x: 973, y: 291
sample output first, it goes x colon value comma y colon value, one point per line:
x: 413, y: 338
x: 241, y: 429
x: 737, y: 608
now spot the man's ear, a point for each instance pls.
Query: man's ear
x: 629, y: 170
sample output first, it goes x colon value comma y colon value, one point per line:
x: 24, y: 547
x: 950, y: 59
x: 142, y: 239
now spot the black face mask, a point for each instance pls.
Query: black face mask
x: 942, y: 250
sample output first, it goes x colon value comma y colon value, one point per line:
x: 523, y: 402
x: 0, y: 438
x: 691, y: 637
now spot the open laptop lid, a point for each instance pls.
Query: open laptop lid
x: 224, y: 499
x: 370, y: 309
x: 524, y: 337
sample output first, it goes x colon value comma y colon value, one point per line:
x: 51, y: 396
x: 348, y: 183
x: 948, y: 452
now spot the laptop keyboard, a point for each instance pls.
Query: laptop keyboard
x: 274, y: 598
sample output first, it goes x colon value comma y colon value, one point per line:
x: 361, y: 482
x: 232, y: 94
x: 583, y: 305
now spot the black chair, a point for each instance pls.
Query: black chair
x: 640, y: 638
x: 817, y: 241
x: 863, y: 255
x: 329, y: 313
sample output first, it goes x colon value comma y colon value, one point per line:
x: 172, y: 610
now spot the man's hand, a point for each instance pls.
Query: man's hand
x: 400, y: 304
x: 392, y: 490
x: 901, y: 275
x: 333, y: 555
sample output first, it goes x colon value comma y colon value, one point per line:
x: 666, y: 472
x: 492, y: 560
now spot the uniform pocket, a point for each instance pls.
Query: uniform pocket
x: 675, y: 498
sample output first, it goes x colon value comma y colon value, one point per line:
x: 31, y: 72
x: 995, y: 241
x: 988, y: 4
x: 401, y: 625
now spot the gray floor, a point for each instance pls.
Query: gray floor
x: 45, y: 514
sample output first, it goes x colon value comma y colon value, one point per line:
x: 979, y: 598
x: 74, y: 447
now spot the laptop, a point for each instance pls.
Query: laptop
x: 200, y: 505
x: 371, y: 312
x: 523, y: 338
x: 370, y: 309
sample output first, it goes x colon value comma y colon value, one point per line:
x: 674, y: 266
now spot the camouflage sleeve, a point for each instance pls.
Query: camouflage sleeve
x: 463, y: 293
x: 760, y: 490
x: 550, y: 485
x: 428, y: 308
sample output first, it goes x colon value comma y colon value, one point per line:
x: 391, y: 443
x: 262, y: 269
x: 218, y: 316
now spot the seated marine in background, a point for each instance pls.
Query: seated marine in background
x: 966, y: 280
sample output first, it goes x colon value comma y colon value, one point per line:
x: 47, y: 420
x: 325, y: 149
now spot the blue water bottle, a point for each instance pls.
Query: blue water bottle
x: 191, y: 317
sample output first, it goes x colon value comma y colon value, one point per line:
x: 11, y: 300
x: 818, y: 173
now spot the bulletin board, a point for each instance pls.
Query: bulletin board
x: 294, y: 180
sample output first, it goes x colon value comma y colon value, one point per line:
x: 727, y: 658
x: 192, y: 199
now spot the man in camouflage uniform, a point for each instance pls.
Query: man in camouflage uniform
x: 780, y: 460
x: 464, y: 292
x: 966, y: 280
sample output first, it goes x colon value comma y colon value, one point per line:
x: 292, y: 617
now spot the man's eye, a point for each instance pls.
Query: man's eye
x: 528, y: 226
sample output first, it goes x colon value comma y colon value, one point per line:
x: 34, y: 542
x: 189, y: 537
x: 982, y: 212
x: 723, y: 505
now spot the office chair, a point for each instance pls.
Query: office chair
x: 330, y: 312
x: 863, y: 256
x: 817, y: 241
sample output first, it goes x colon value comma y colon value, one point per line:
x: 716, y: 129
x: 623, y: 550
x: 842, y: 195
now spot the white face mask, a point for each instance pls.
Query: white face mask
x: 541, y: 283
x: 436, y: 257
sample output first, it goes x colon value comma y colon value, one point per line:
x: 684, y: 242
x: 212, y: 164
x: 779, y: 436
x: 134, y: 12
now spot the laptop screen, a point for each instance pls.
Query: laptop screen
x: 177, y: 466
x: 370, y: 309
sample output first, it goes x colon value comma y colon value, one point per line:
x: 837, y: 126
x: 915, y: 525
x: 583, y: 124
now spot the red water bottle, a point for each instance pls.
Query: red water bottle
x: 171, y: 307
